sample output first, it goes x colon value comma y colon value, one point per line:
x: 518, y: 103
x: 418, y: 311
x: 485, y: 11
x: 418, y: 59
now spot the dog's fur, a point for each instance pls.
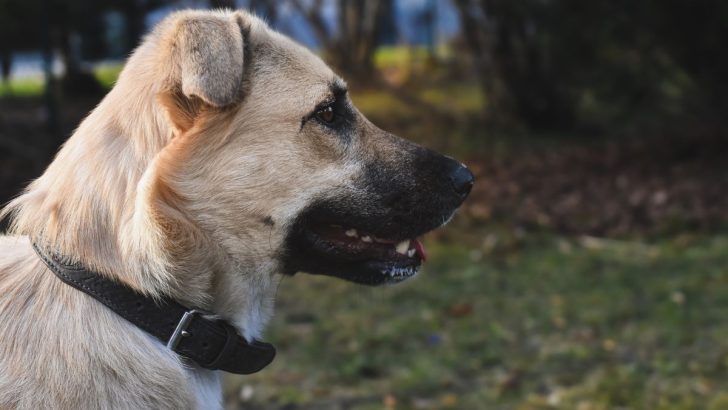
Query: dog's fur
x: 187, y: 180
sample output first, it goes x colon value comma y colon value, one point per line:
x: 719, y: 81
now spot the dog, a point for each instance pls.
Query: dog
x: 225, y: 157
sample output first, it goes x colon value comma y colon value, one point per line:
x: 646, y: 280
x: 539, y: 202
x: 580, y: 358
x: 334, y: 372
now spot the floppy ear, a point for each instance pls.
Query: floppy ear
x: 209, y: 51
x: 205, y: 54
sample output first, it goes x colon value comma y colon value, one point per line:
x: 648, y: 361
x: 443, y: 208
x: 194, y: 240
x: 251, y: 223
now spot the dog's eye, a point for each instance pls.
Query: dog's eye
x: 326, y: 114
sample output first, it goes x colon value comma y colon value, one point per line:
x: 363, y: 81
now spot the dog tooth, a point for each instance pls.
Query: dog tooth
x: 411, y: 253
x: 351, y: 233
x: 402, y: 247
x: 366, y: 238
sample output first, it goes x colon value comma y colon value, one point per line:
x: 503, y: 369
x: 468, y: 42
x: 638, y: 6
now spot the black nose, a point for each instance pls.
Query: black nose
x: 462, y: 180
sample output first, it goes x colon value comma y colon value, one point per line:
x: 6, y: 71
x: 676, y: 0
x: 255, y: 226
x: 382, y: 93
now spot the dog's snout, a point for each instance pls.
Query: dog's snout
x: 462, y: 179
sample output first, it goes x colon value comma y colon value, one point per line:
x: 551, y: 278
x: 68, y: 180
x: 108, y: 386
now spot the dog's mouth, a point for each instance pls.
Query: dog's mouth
x: 355, y: 254
x: 369, y: 233
x: 351, y: 243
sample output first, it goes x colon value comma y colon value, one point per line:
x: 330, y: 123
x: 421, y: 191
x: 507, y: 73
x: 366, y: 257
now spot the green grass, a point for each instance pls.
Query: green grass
x: 456, y: 99
x: 106, y: 74
x: 398, y: 56
x: 25, y: 87
x: 442, y: 119
x: 402, y: 56
x: 545, y: 322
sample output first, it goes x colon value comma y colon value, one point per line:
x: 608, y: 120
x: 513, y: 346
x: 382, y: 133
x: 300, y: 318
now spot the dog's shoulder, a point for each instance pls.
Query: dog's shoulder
x: 61, y: 349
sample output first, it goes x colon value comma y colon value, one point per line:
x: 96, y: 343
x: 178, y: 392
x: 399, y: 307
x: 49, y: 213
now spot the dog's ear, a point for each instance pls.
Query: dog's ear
x: 207, y: 54
x: 209, y: 51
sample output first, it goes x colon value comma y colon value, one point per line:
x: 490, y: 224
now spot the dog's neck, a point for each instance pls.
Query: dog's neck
x: 102, y: 202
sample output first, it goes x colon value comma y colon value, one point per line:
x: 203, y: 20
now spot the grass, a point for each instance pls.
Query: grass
x: 442, y: 119
x: 540, y: 322
x: 24, y: 87
x: 456, y: 99
x: 106, y: 75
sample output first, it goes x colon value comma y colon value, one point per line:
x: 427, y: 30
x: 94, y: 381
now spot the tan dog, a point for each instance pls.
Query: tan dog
x: 225, y: 156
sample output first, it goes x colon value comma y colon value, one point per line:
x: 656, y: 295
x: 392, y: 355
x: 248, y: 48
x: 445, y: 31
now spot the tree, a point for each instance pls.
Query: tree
x: 512, y: 47
x: 694, y: 34
x: 547, y: 63
x: 77, y: 25
x: 351, y: 46
x: 17, y: 31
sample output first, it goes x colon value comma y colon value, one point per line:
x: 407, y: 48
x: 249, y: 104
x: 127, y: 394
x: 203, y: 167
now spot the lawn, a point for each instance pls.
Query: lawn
x: 105, y: 74
x: 22, y: 87
x: 533, y: 322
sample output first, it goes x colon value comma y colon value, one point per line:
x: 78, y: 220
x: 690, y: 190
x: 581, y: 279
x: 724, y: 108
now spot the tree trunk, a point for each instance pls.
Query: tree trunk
x: 518, y: 79
x: 479, y: 36
x: 51, y: 96
x: 133, y: 12
x: 351, y: 49
x: 6, y: 64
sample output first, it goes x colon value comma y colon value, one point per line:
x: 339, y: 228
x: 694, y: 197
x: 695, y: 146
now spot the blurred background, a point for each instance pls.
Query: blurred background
x: 588, y: 269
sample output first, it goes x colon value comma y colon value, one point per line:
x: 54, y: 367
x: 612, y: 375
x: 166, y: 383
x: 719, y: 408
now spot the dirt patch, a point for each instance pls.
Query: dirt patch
x: 616, y: 189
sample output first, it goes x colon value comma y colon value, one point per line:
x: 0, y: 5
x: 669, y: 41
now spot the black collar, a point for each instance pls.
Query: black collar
x: 212, y: 344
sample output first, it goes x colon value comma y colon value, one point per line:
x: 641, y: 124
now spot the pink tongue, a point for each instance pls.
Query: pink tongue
x: 420, y: 249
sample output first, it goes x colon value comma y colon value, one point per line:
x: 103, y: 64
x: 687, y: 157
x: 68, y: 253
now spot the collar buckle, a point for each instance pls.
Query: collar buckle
x: 181, y: 330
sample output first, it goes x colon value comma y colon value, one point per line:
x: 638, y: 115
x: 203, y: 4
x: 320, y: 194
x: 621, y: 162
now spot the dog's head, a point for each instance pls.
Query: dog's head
x: 272, y: 161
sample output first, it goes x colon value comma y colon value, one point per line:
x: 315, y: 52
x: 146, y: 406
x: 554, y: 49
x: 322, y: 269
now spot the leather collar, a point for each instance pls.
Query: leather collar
x: 211, y: 343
